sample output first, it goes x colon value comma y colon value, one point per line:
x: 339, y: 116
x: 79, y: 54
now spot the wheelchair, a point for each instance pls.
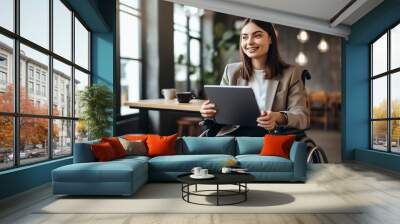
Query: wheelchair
x: 315, y: 153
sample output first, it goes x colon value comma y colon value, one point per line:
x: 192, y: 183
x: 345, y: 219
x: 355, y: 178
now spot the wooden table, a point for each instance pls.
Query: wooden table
x: 170, y: 105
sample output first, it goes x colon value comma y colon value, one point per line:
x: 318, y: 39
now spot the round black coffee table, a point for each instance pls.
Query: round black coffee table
x: 238, y: 179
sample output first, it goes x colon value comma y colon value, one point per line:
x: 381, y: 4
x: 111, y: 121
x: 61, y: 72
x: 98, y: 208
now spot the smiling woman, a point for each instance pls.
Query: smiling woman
x: 262, y: 69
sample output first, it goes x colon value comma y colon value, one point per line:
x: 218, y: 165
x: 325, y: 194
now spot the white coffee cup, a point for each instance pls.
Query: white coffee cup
x: 226, y: 170
x: 196, y: 171
x: 169, y: 94
x: 203, y: 172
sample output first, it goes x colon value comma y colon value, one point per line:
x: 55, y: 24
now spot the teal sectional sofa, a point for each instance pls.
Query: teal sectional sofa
x: 125, y: 176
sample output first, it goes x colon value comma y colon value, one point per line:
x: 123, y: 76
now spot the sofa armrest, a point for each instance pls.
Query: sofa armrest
x: 83, y: 152
x: 298, y: 157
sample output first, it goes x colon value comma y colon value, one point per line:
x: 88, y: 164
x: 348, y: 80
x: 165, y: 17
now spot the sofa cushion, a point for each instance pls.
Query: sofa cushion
x: 277, y: 145
x: 206, y: 145
x: 116, y: 145
x: 135, y: 147
x: 257, y: 163
x: 161, y: 145
x: 103, y: 152
x: 111, y: 171
x: 249, y: 145
x: 185, y: 163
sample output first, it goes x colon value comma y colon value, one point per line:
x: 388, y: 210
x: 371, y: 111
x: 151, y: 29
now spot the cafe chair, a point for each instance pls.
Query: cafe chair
x: 318, y: 105
x: 315, y: 153
x: 188, y: 126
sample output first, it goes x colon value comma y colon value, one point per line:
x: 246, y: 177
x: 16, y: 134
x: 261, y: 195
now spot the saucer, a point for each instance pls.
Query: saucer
x: 208, y: 176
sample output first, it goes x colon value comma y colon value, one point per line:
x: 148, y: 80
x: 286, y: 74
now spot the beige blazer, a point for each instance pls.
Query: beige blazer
x: 285, y: 93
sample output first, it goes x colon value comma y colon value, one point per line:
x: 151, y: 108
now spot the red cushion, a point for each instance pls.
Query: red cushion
x: 277, y: 145
x: 103, y: 152
x: 161, y: 145
x: 116, y: 145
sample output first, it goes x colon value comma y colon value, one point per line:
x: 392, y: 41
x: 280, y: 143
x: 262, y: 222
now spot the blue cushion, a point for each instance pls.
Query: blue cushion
x: 111, y: 171
x: 185, y: 163
x: 249, y: 145
x: 206, y: 145
x: 257, y: 163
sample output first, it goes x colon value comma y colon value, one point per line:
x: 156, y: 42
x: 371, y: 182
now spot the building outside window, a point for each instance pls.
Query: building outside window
x: 130, y: 31
x: 385, y: 95
x: 55, y: 129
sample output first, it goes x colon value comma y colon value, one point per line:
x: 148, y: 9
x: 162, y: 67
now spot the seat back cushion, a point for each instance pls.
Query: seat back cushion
x: 161, y: 145
x: 116, y: 145
x: 249, y: 145
x: 277, y: 145
x: 104, y: 152
x: 206, y: 145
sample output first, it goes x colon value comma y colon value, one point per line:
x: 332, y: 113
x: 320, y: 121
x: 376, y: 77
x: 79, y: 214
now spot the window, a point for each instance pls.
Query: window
x: 187, y: 48
x: 7, y: 14
x: 3, y: 78
x: 130, y: 30
x: 385, y: 96
x: 30, y: 87
x: 46, y: 129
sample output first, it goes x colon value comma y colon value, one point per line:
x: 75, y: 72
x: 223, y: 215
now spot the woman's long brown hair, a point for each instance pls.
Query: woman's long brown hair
x: 274, y: 63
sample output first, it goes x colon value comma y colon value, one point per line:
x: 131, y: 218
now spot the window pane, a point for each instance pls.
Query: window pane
x: 395, y: 138
x: 33, y: 139
x: 81, y: 81
x: 379, y: 55
x: 130, y: 84
x: 180, y: 47
x: 35, y: 21
x: 81, y: 45
x: 6, y: 74
x: 179, y: 15
x: 34, y: 96
x: 130, y: 40
x: 132, y: 3
x: 62, y: 29
x: 7, y: 14
x: 62, y: 89
x: 395, y: 95
x: 395, y: 47
x: 194, y: 26
x: 180, y: 77
x: 81, y: 131
x: 62, y: 138
x: 6, y: 142
x: 379, y: 97
x: 379, y: 135
x: 195, y: 52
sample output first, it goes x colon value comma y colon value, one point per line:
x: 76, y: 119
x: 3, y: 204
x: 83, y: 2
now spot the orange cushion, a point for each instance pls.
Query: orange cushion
x: 161, y: 145
x: 135, y: 137
x: 116, y: 145
x: 277, y: 145
x: 103, y: 151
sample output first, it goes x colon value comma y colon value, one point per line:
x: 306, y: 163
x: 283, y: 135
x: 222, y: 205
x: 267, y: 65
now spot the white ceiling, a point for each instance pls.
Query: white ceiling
x: 315, y: 15
x: 319, y: 9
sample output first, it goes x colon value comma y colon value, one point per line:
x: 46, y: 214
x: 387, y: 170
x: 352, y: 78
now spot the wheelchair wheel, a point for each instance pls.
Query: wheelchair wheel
x: 315, y: 154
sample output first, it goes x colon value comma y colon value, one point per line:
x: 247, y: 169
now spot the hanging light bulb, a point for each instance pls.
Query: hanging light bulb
x: 302, y: 36
x: 323, y: 46
x: 301, y: 59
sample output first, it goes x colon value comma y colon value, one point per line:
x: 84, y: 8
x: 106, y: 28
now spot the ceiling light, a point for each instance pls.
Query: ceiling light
x: 301, y: 59
x: 323, y: 46
x: 302, y: 36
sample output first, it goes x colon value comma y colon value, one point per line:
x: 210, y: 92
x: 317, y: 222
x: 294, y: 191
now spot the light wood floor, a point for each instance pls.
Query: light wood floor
x: 377, y: 188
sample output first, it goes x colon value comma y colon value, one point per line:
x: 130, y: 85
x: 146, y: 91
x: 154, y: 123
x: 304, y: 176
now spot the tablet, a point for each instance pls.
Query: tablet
x: 236, y: 105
